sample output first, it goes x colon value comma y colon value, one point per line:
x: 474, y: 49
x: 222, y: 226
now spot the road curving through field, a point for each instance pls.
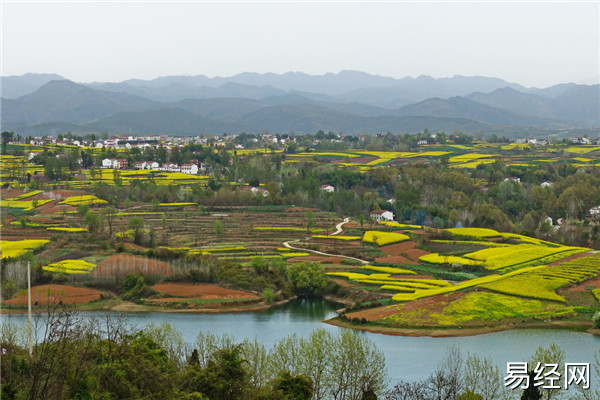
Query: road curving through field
x: 338, y: 230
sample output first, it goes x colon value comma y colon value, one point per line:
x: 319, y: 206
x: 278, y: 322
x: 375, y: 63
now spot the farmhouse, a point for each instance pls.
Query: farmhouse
x: 546, y: 184
x: 114, y: 163
x: 512, y: 178
x: 189, y: 168
x: 107, y: 163
x: 381, y: 215
x: 255, y: 191
x: 327, y: 188
x: 170, y: 167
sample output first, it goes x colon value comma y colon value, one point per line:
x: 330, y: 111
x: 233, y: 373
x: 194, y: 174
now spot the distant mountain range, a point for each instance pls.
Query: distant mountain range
x: 350, y: 102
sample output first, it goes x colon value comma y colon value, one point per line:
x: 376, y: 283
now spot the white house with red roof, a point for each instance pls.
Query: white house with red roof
x: 381, y: 215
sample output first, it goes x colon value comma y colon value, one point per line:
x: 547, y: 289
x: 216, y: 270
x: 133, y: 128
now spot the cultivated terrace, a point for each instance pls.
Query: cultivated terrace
x: 416, y: 234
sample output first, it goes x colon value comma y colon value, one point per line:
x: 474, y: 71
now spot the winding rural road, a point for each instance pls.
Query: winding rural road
x: 338, y: 228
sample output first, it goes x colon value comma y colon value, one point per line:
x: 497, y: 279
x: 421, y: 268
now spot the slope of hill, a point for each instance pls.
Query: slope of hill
x: 460, y: 107
x: 13, y: 87
x: 169, y: 121
x: 576, y: 103
x: 66, y: 101
x: 256, y: 102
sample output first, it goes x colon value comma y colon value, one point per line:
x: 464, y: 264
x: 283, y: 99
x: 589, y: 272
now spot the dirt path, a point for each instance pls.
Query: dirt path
x: 338, y: 230
x: 338, y: 227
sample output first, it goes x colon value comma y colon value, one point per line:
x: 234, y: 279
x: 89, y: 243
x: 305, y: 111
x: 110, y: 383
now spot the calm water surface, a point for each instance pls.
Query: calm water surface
x: 408, y: 358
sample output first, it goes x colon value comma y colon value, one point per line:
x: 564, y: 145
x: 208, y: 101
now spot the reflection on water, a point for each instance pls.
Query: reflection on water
x: 407, y: 358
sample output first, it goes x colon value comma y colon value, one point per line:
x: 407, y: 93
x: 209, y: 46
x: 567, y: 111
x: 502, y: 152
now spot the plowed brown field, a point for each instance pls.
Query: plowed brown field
x: 123, y: 264
x: 581, y: 287
x: 396, y: 260
x: 54, y: 294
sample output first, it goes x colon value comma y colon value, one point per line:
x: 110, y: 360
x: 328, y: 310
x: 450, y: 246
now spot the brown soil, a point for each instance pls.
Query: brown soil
x: 52, y: 208
x: 396, y: 260
x: 54, y: 294
x: 570, y: 258
x: 581, y: 287
x: 200, y: 291
x: 433, y: 304
x: 122, y: 264
x: 414, y: 254
x: 398, y: 248
x: 10, y: 193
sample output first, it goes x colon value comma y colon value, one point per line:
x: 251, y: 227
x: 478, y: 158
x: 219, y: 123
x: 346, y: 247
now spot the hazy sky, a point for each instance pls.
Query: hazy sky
x: 535, y: 44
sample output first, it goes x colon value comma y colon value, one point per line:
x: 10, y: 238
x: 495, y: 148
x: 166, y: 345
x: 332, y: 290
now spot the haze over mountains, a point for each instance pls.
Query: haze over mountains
x: 350, y: 102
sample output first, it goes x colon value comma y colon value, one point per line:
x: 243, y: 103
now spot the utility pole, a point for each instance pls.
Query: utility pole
x: 30, y: 327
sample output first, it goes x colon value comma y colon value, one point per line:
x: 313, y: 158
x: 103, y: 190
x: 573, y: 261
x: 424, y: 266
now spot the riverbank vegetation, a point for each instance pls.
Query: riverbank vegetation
x: 104, y: 358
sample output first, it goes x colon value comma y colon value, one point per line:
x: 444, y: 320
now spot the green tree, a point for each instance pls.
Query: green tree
x: 310, y: 219
x: 54, y: 169
x: 290, y: 387
x: 307, y: 277
x: 137, y: 225
x: 83, y: 209
x: 6, y: 138
x: 92, y: 221
x: 269, y: 296
x: 532, y: 392
x: 224, y: 377
x: 108, y: 213
x: 545, y: 356
x: 259, y: 265
x: 218, y: 228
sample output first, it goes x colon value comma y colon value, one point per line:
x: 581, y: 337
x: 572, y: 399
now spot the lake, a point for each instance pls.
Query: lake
x: 407, y: 358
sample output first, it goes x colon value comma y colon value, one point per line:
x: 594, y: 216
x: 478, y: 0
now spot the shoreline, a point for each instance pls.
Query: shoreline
x: 434, y: 332
x: 130, y: 307
x: 441, y: 332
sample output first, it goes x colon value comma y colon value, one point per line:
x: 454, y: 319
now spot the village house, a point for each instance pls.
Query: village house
x: 512, y: 178
x: 546, y: 184
x: 120, y: 163
x: 189, y: 168
x: 327, y: 188
x: 595, y: 211
x: 170, y: 167
x: 255, y: 191
x: 381, y: 215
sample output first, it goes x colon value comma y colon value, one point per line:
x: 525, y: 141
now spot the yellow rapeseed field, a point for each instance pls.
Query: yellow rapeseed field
x: 85, y: 199
x: 70, y: 267
x: 16, y: 248
x: 383, y: 238
x: 474, y: 232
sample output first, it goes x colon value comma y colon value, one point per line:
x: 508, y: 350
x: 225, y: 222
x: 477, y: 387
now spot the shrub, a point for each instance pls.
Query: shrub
x: 596, y: 320
x: 269, y: 295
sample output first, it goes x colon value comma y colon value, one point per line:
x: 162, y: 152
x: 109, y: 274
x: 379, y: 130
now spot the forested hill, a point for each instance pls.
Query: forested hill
x: 348, y: 102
